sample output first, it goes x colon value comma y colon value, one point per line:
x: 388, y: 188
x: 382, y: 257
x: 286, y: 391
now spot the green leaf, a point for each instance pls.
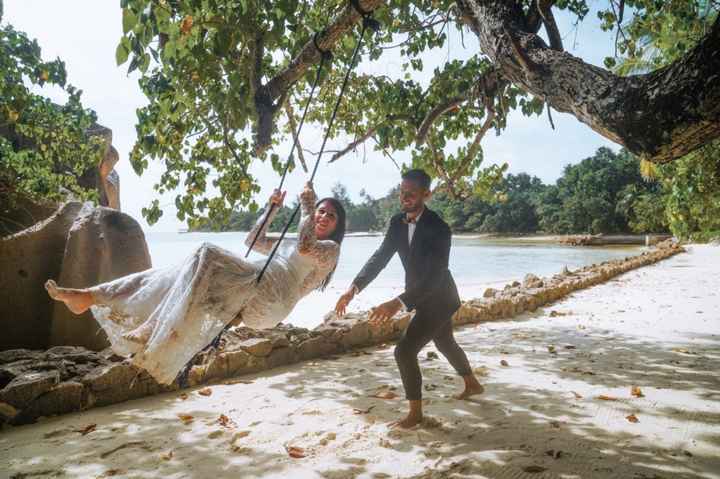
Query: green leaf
x: 129, y: 20
x: 122, y: 51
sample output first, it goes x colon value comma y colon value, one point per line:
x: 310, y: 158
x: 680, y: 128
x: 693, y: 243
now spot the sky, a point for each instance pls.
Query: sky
x: 85, y: 33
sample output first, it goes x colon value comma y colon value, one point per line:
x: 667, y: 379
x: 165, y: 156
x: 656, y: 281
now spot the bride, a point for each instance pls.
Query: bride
x: 164, y: 316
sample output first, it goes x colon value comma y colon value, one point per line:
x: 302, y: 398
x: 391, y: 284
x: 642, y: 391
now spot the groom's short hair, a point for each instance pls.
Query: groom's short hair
x: 419, y: 176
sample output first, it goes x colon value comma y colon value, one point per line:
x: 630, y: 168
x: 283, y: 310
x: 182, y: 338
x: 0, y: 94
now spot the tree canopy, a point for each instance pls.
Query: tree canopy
x: 44, y: 147
x: 226, y: 79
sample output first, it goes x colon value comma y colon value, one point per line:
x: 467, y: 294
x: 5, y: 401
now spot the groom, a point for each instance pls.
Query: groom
x: 422, y: 239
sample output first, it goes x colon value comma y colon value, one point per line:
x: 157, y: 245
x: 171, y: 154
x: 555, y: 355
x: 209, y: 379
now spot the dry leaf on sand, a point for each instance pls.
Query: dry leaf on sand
x: 363, y: 411
x: 605, y: 397
x: 225, y: 421
x: 577, y: 395
x: 239, y: 435
x: 183, y: 396
x: 636, y: 391
x: 632, y: 418
x: 481, y: 371
x: 186, y: 418
x: 295, y: 452
x: 504, y: 363
x: 384, y: 394
x: 87, y: 429
x: 205, y: 392
x: 167, y: 456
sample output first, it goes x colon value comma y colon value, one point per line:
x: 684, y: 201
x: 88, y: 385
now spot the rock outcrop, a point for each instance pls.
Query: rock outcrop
x: 63, y: 379
x: 78, y: 246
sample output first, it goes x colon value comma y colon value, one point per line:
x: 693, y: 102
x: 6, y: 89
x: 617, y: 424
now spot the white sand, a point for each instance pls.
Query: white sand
x: 657, y: 328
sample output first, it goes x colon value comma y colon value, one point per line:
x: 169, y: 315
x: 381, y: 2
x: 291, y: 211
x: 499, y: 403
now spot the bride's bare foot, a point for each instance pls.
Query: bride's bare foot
x: 472, y: 388
x: 77, y: 300
x: 141, y: 334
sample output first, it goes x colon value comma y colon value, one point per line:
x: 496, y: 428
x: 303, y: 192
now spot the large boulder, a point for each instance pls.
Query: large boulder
x: 102, y: 244
x: 27, y: 259
x: 78, y: 246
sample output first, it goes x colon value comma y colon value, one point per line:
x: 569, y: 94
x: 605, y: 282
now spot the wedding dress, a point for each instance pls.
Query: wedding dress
x: 190, y: 304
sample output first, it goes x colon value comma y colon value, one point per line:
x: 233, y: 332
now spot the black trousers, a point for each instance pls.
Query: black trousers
x: 423, y: 328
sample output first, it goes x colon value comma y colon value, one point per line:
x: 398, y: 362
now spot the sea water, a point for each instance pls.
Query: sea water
x: 476, y: 264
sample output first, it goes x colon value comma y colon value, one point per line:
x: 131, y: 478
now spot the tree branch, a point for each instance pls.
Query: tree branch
x: 280, y: 84
x: 354, y: 144
x: 436, y: 113
x: 545, y: 9
x: 659, y: 116
x: 293, y: 128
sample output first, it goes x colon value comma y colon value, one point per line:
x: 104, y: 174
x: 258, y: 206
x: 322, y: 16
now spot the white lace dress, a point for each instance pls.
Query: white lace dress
x: 192, y: 302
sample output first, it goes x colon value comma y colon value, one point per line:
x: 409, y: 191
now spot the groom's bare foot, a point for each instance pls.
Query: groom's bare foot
x: 141, y: 334
x: 77, y: 301
x: 472, y: 388
x: 411, y: 420
x: 414, y: 417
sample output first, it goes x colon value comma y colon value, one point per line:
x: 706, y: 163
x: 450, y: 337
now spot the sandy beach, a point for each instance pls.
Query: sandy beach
x: 617, y: 381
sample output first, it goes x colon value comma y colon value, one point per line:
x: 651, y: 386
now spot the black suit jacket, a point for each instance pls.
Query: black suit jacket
x: 428, y: 283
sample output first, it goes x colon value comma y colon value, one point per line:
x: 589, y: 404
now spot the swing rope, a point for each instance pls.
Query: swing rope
x: 368, y: 22
x: 326, y: 55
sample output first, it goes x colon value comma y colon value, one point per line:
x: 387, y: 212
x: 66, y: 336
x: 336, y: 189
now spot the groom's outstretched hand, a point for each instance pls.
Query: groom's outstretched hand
x: 385, y: 311
x: 344, y: 300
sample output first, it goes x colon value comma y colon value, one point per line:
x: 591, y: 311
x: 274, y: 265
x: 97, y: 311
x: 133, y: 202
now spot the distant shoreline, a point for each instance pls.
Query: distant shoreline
x: 569, y: 239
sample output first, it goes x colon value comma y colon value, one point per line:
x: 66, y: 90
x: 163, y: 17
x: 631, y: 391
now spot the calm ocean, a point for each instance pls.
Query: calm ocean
x: 475, y: 263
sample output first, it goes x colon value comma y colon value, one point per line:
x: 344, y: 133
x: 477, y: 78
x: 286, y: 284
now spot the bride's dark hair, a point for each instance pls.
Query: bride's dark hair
x: 337, y: 235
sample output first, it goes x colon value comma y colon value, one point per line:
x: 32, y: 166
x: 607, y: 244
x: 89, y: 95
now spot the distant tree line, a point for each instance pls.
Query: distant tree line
x: 606, y: 193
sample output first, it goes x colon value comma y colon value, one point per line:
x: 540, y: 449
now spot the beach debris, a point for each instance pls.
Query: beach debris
x: 479, y: 371
x: 363, y: 411
x: 688, y: 453
x: 205, y: 392
x: 504, y: 363
x: 636, y: 391
x: 140, y: 444
x: 430, y: 387
x: 57, y: 433
x: 185, y: 418
x: 385, y: 394
x: 534, y: 469
x: 554, y: 454
x: 570, y: 346
x: 331, y: 436
x: 555, y: 424
x: 430, y: 422
x: 632, y: 418
x: 577, y: 395
x: 183, y: 396
x: 239, y: 435
x: 236, y: 381
x: 225, y: 421
x: 682, y: 350
x: 551, y: 349
x: 605, y: 397
x: 215, y: 434
x: 87, y: 429
x: 167, y: 456
x: 295, y: 452
x: 431, y: 355
x: 112, y: 472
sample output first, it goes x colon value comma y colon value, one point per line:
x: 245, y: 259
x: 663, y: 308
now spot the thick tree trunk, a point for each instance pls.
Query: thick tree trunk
x: 659, y: 116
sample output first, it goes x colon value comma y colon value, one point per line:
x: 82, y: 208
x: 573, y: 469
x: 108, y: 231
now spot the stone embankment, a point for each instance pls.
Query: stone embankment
x: 67, y: 378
